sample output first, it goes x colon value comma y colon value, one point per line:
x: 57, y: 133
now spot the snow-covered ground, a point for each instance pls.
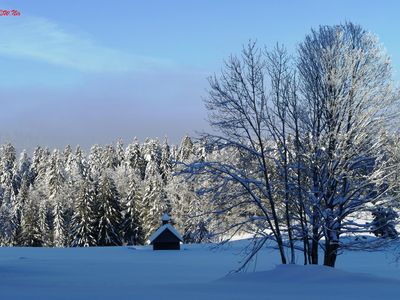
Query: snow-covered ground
x: 196, y: 272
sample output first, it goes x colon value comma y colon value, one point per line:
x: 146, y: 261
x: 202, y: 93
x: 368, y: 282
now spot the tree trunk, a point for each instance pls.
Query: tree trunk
x: 290, y: 236
x: 315, y: 237
x: 331, y: 249
x: 281, y: 250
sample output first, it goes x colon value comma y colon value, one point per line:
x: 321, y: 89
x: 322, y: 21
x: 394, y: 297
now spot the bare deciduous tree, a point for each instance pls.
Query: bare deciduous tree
x: 304, y: 138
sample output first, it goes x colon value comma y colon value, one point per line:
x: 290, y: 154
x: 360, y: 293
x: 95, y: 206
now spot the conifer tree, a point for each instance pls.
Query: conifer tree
x: 132, y: 223
x: 108, y: 213
x: 134, y: 158
x: 186, y: 149
x: 83, y: 229
x: 154, y: 199
x: 165, y: 163
x: 31, y: 233
x: 7, y: 192
x: 96, y: 162
x: 17, y: 210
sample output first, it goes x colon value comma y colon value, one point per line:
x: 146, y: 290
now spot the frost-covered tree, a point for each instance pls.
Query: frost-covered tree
x: 305, y: 140
x: 154, y: 202
x: 119, y: 152
x: 347, y: 93
x: 83, y: 230
x: 132, y: 223
x: 96, y: 161
x: 186, y: 149
x: 39, y: 163
x: 8, y: 192
x: 110, y: 157
x: 57, y: 187
x: 21, y: 170
x: 238, y: 108
x: 60, y: 233
x: 190, y: 213
x: 109, y: 213
x: 56, y: 176
x: 134, y: 158
x: 31, y: 229
x: 78, y: 166
x: 166, y: 161
x: 53, y: 199
x: 151, y: 151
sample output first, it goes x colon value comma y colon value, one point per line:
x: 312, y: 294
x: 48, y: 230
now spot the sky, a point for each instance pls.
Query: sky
x: 94, y: 71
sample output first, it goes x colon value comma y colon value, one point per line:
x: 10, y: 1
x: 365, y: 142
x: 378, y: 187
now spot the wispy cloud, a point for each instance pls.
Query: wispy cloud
x: 43, y: 40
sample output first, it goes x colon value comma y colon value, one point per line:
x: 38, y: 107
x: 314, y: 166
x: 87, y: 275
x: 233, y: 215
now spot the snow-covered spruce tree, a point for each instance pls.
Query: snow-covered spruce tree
x: 132, y: 223
x: 134, y: 158
x: 110, y: 158
x: 56, y: 176
x: 56, y: 180
x: 46, y: 218
x: 60, y: 224
x: 96, y: 161
x: 21, y: 183
x: 109, y: 213
x: 151, y: 151
x: 128, y: 183
x: 31, y: 229
x: 77, y: 166
x: 186, y: 149
x: 83, y: 230
x: 18, y: 210
x: 38, y: 167
x: 165, y: 162
x: 7, y: 192
x: 76, y: 172
x: 119, y: 152
x: 190, y: 213
x: 154, y: 202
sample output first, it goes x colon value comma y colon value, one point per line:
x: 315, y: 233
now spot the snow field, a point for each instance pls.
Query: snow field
x: 196, y: 272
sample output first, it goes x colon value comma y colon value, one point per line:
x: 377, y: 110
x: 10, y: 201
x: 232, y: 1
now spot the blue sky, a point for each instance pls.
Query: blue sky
x: 85, y: 72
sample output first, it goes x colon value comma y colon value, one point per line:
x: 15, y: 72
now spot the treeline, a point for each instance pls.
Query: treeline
x: 113, y: 195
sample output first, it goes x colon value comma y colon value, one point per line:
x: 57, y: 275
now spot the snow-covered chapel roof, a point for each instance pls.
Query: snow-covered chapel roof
x: 162, y: 229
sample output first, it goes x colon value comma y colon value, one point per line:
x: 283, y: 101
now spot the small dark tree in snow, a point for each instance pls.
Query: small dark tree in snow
x: 384, y: 223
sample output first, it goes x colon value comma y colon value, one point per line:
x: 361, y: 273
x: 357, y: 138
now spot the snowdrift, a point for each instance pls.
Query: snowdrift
x: 197, y: 272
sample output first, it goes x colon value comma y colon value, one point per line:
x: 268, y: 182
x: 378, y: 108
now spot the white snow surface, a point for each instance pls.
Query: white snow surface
x: 196, y: 272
